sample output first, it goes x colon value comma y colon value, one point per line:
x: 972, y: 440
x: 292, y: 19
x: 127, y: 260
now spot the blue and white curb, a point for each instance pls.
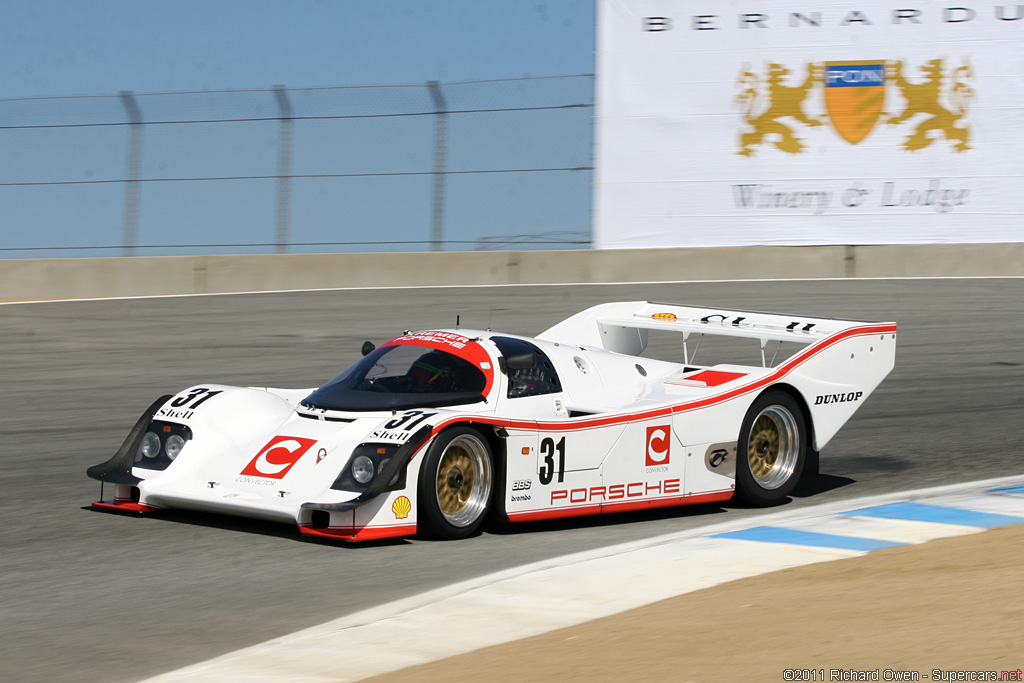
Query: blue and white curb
x: 560, y: 592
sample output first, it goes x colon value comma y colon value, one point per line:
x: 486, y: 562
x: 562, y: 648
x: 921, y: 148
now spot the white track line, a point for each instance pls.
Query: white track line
x: 504, y: 285
x: 564, y: 591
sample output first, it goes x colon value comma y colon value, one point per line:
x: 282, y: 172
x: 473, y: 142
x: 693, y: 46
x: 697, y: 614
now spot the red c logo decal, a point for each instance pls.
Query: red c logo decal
x: 277, y: 457
x: 659, y: 440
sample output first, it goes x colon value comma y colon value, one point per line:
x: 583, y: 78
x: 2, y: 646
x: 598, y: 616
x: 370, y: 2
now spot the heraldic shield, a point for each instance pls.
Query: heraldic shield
x: 854, y: 97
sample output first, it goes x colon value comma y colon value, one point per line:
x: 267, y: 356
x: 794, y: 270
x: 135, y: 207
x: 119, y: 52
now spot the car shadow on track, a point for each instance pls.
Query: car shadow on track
x: 818, y: 484
x: 806, y: 488
x: 616, y: 519
x: 251, y: 526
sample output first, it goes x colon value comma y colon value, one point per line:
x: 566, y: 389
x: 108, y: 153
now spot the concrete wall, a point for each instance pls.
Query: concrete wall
x: 163, y: 275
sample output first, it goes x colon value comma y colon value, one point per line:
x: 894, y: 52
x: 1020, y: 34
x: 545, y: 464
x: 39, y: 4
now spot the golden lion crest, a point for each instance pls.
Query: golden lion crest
x: 783, y: 101
x: 854, y: 98
x: 923, y: 98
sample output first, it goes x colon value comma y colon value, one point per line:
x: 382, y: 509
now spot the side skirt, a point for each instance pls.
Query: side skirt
x: 625, y: 506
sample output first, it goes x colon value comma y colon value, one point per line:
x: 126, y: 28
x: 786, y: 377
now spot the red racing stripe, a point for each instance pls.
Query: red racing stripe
x: 581, y: 425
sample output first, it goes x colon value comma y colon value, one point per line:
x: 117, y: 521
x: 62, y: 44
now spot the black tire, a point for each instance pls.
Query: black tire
x: 771, y: 450
x: 455, y: 483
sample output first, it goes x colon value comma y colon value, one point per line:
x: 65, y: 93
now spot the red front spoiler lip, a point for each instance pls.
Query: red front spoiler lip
x: 125, y: 506
x: 358, y: 534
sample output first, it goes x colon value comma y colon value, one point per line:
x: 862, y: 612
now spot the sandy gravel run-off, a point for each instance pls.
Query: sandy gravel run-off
x: 952, y: 604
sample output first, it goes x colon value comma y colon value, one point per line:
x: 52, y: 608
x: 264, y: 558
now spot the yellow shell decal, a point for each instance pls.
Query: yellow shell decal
x: 401, y: 507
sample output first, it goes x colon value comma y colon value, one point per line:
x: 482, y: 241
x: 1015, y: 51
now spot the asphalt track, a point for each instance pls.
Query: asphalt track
x: 92, y: 595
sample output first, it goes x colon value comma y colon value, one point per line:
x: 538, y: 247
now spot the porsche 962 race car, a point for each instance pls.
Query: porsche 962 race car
x: 434, y: 430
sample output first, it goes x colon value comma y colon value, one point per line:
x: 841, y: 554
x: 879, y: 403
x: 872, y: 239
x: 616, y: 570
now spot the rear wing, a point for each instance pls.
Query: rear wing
x: 623, y: 327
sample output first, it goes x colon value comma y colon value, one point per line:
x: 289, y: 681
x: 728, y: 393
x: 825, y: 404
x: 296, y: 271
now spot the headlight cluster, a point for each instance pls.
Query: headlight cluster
x: 368, y: 459
x: 161, y: 445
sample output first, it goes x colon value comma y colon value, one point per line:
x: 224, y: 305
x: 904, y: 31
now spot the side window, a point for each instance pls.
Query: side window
x: 535, y: 381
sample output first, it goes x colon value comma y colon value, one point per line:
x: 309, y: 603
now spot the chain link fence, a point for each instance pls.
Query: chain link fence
x: 498, y: 164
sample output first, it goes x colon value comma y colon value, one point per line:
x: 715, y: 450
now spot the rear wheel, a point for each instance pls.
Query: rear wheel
x: 455, y: 483
x: 771, y: 450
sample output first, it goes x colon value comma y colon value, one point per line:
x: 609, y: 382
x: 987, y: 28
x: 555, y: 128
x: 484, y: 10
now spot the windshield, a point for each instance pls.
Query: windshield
x: 399, y: 377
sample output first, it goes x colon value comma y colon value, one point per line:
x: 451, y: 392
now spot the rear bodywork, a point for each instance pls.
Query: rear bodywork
x: 594, y: 426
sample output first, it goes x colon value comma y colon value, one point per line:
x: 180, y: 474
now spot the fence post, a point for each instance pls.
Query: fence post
x: 284, y: 172
x: 440, y: 165
x: 130, y: 237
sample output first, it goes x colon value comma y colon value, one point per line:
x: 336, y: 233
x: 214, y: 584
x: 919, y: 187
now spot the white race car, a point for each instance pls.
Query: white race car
x: 433, y: 430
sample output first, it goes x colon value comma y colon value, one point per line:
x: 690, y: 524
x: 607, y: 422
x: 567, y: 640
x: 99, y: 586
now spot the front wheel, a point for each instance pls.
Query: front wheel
x: 455, y: 483
x: 771, y: 450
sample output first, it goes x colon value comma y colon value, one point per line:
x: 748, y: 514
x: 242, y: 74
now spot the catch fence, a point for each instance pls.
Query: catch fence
x: 495, y: 164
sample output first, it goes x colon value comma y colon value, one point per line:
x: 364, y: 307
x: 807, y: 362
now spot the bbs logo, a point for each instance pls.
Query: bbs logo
x: 521, y: 485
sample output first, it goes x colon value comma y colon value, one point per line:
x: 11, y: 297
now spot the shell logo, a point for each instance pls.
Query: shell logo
x: 401, y: 507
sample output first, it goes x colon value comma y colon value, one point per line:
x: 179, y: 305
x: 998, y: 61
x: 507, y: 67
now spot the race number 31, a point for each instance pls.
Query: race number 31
x: 548, y: 469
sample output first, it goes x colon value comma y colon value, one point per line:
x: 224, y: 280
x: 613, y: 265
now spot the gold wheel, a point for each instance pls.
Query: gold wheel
x: 773, y: 448
x: 463, y: 482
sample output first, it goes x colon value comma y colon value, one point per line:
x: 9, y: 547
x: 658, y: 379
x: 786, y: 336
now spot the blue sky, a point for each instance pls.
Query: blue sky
x: 62, y: 184
x: 61, y: 47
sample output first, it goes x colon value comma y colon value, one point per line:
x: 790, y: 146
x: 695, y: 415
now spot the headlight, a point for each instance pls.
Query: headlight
x: 150, y: 445
x: 161, y: 444
x: 368, y: 461
x: 362, y: 469
x: 173, y: 446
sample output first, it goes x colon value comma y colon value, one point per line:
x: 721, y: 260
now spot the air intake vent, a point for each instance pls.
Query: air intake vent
x: 324, y: 417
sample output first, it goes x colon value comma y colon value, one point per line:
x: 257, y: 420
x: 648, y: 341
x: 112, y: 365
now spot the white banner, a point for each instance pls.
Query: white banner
x: 758, y: 122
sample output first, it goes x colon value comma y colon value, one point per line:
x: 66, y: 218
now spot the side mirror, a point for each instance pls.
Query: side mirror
x: 521, y: 361
x: 367, y: 348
